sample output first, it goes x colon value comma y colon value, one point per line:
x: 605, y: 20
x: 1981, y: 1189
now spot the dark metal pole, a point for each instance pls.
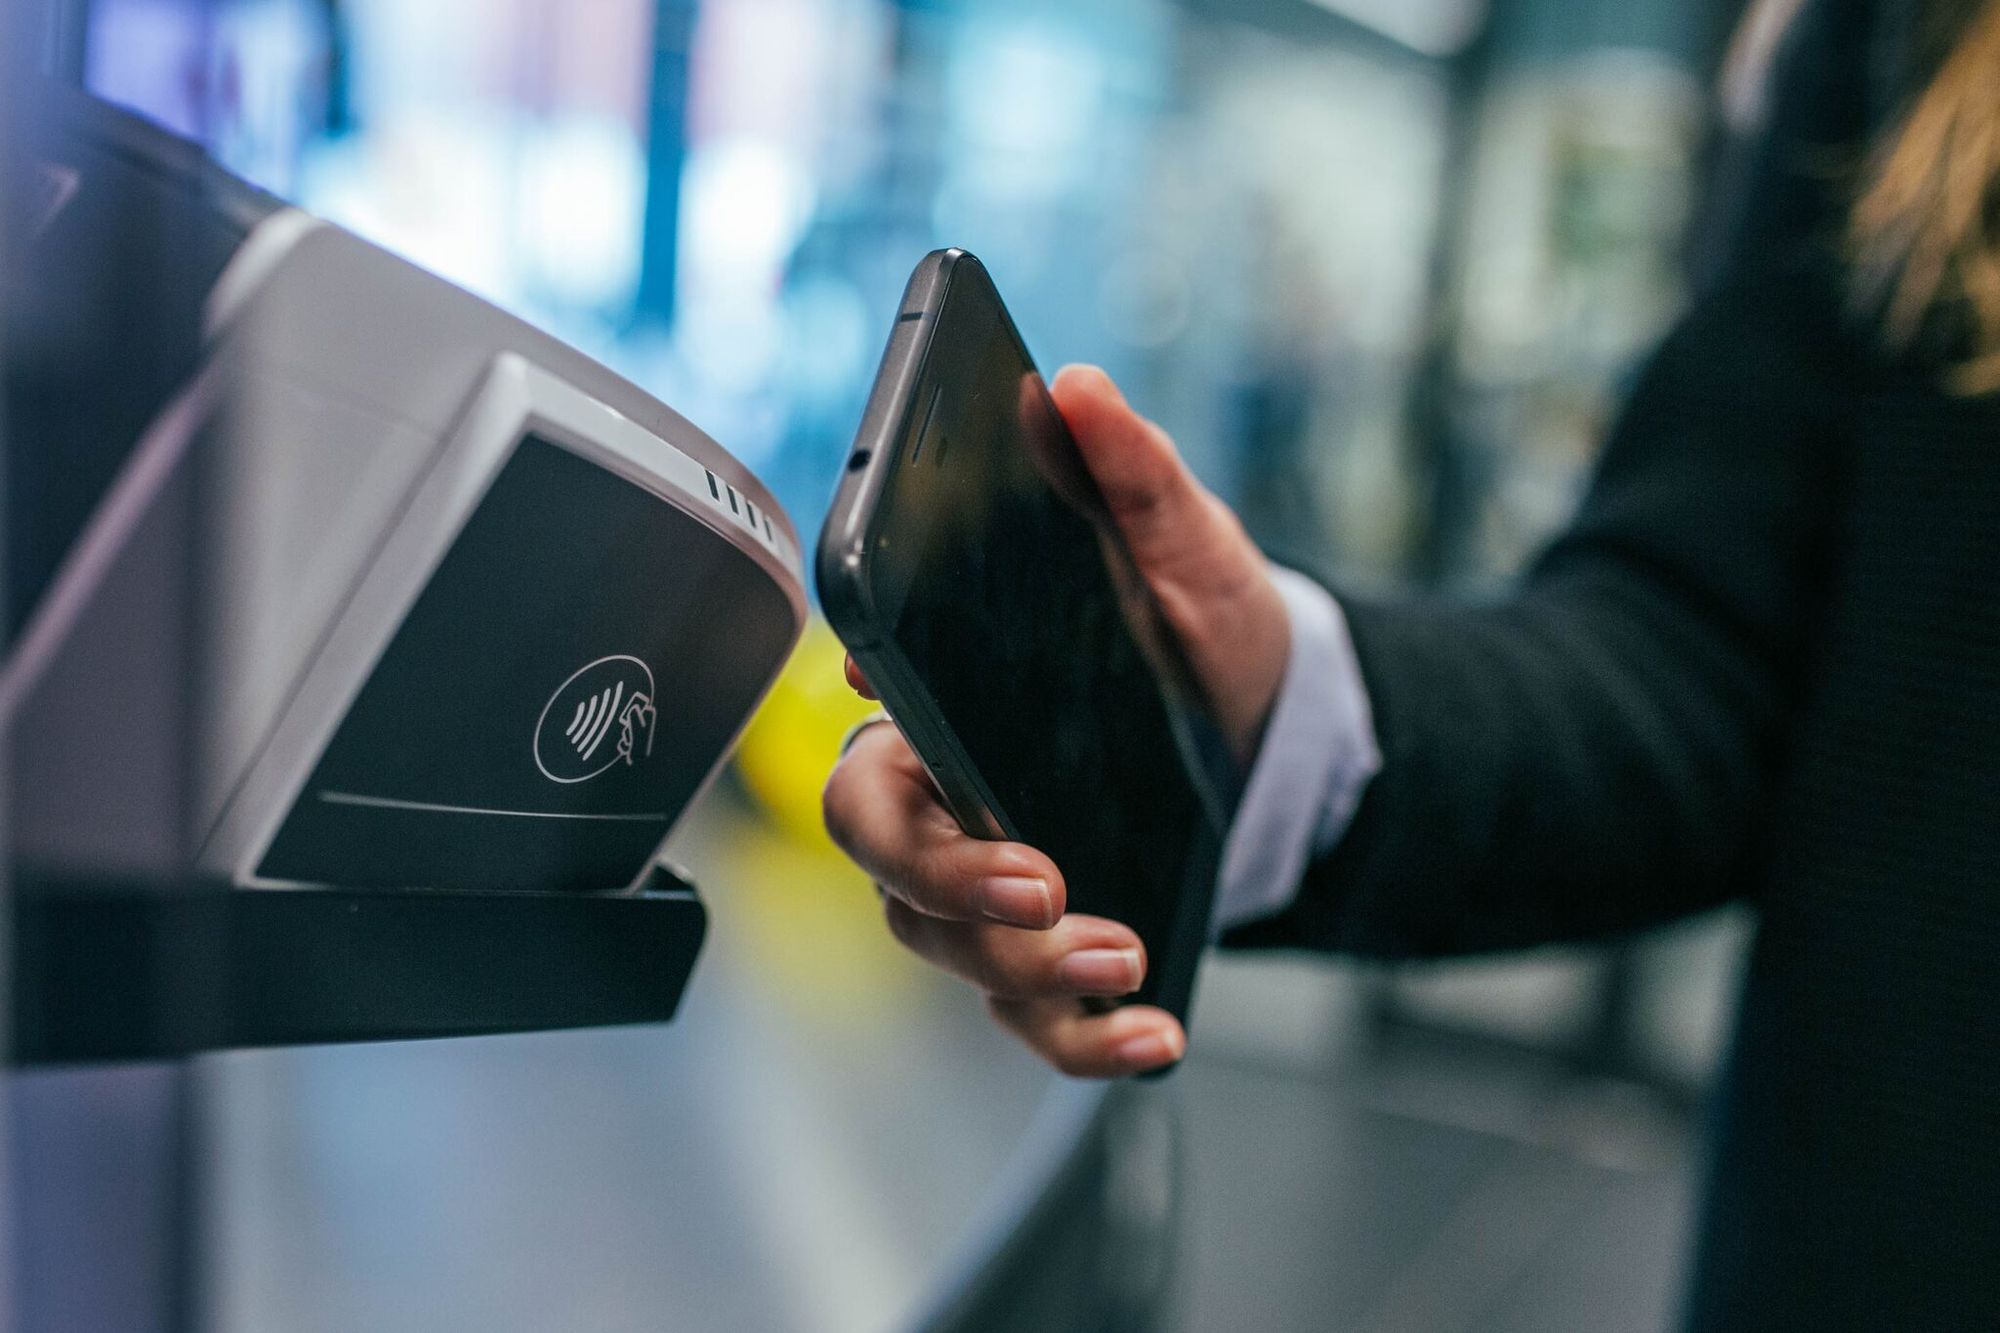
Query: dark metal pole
x: 666, y: 152
x: 1436, y: 454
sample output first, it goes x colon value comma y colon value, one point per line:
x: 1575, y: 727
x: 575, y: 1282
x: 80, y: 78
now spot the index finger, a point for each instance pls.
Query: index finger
x: 883, y: 811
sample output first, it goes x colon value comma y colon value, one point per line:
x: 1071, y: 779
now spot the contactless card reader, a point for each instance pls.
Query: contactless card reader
x: 557, y: 640
x: 474, y: 612
x: 542, y: 649
x: 393, y: 595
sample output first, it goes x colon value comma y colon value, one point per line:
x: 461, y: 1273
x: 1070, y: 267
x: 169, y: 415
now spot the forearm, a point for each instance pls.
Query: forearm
x: 1535, y: 787
x: 1561, y: 767
x: 1599, y: 751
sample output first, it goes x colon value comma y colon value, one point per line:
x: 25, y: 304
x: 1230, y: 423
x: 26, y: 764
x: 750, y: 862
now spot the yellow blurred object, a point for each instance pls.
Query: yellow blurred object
x: 805, y: 914
x: 811, y: 927
x: 793, y: 741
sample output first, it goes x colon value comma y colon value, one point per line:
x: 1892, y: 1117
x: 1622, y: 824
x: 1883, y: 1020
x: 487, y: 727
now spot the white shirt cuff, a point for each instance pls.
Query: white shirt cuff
x: 1318, y: 753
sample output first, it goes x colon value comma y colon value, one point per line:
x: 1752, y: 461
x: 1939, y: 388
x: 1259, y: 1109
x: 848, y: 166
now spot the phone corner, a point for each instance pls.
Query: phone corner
x: 841, y: 578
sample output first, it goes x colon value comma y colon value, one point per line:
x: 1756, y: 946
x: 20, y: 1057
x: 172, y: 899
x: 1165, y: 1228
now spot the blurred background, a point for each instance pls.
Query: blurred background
x: 1381, y: 266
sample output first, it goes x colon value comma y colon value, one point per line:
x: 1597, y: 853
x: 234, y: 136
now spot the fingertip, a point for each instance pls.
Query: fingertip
x: 1100, y: 972
x: 1019, y: 860
x: 1147, y: 1039
x: 1134, y: 1039
x: 1082, y: 392
x: 1021, y: 901
x: 858, y: 682
x: 1101, y: 932
x: 1084, y: 376
x: 1132, y: 459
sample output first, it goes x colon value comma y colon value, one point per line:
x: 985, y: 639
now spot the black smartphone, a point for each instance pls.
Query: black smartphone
x: 971, y: 568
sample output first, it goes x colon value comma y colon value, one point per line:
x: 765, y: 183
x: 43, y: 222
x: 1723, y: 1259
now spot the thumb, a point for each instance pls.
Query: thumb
x: 1209, y: 578
x: 1153, y: 498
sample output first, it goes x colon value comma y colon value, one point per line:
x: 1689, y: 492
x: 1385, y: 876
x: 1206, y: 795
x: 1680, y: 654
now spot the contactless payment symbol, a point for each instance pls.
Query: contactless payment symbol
x: 601, y: 716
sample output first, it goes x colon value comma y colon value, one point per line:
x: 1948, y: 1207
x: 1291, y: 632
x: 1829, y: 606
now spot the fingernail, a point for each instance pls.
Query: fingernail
x: 1017, y: 902
x: 1101, y: 971
x: 1151, y: 1050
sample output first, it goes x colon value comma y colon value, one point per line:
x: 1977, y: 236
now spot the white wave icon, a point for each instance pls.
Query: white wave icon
x: 610, y: 694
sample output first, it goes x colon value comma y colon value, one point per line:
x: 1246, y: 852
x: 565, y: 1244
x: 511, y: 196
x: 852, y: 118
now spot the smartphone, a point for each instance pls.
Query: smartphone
x: 971, y: 568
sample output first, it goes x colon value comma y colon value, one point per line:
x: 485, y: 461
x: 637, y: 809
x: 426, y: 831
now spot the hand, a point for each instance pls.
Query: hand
x: 993, y: 912
x: 1212, y: 583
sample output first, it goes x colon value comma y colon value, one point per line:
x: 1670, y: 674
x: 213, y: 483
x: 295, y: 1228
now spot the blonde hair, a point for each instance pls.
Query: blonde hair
x: 1924, y: 234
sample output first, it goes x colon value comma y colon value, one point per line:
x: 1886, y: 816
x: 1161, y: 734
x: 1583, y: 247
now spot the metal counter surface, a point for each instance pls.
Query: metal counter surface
x: 809, y: 1146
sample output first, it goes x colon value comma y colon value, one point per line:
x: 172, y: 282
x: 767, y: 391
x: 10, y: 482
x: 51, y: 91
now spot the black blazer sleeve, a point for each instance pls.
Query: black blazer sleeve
x: 1601, y: 751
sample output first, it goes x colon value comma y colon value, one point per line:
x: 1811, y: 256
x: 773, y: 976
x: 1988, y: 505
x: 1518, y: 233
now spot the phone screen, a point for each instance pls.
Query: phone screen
x: 1039, y: 648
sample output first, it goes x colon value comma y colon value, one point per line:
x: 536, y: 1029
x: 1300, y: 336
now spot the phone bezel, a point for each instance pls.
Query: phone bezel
x: 861, y: 591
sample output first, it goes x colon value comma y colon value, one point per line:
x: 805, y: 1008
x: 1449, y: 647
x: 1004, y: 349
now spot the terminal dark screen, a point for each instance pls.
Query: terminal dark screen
x: 568, y: 677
